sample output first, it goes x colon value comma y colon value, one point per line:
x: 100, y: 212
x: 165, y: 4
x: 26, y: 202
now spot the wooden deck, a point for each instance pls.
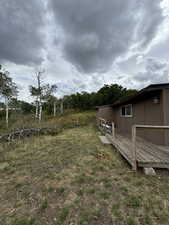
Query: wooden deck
x: 147, y: 154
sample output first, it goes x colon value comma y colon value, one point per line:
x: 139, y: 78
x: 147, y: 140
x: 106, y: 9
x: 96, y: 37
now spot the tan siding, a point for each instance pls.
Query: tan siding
x: 154, y: 116
x: 144, y: 112
x: 106, y: 113
x: 166, y: 113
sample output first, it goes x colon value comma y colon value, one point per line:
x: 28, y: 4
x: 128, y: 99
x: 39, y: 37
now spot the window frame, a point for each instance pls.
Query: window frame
x: 125, y: 106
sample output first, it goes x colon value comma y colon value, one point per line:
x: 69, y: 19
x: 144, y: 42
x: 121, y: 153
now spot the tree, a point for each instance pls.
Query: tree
x: 8, y: 89
x: 50, y: 105
x: 42, y: 92
x: 48, y: 96
x: 37, y: 92
x: 39, y: 80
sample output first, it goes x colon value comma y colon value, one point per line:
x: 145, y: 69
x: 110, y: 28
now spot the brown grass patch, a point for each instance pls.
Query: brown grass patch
x: 73, y: 178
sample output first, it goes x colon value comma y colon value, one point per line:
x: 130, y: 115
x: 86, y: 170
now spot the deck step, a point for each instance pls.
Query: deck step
x: 149, y: 171
x: 104, y: 140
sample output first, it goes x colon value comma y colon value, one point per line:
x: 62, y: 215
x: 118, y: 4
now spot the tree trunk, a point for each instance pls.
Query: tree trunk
x: 37, y: 106
x: 40, y: 110
x: 7, y: 111
x: 54, y: 109
x: 40, y: 96
x: 61, y: 107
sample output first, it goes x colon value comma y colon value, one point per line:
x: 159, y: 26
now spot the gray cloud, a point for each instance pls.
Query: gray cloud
x: 94, y: 36
x: 97, y: 32
x: 156, y: 71
x: 153, y: 64
x: 80, y: 83
x: 21, y: 39
x: 150, y: 18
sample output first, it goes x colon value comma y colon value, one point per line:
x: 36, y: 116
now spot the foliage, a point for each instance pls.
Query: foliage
x: 49, y: 104
x: 43, y: 93
x: 45, y: 99
x: 108, y: 94
x: 47, y: 91
x: 7, y: 87
x: 22, y: 106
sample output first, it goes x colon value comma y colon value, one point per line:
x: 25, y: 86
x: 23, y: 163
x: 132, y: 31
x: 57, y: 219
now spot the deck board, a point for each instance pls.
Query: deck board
x: 147, y: 154
x: 104, y: 140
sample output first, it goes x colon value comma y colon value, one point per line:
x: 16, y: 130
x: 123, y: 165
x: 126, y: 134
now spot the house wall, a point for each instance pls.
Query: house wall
x: 106, y: 113
x: 166, y: 113
x: 144, y: 112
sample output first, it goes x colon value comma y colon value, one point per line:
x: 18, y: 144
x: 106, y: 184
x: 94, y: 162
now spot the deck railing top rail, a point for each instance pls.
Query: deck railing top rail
x: 101, y: 120
x: 150, y: 126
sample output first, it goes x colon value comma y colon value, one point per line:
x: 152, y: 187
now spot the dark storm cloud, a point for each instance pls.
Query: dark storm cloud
x: 98, y: 31
x: 21, y: 40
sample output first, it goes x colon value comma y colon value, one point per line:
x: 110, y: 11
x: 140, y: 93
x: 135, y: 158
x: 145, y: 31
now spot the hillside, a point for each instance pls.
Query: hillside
x: 71, y: 178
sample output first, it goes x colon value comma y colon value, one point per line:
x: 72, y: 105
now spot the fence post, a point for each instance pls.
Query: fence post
x: 113, y: 130
x: 134, y: 167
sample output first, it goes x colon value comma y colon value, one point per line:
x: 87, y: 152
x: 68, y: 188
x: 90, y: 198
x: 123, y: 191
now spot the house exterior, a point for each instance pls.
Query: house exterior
x: 150, y: 106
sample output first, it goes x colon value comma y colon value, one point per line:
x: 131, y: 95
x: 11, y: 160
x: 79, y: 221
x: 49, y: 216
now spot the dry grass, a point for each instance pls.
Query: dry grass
x: 73, y: 179
x: 69, y: 119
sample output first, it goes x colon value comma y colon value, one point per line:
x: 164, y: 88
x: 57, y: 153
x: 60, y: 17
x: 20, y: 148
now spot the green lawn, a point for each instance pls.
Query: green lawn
x: 73, y: 179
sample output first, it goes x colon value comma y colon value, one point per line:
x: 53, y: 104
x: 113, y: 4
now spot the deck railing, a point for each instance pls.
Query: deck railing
x: 103, y: 124
x: 134, y: 136
x: 106, y: 126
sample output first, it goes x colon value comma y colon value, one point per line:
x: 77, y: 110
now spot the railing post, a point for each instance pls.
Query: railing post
x: 100, y: 122
x: 113, y: 130
x: 134, y: 148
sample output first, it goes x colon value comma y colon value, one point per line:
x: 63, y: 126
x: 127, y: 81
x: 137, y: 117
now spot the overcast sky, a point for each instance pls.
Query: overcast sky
x: 83, y: 44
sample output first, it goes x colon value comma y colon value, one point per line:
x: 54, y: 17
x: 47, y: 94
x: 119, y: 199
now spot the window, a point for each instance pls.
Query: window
x: 123, y: 111
x: 126, y: 111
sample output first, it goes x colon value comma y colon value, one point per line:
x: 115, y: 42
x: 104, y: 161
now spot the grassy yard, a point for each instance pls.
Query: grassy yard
x: 73, y: 179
